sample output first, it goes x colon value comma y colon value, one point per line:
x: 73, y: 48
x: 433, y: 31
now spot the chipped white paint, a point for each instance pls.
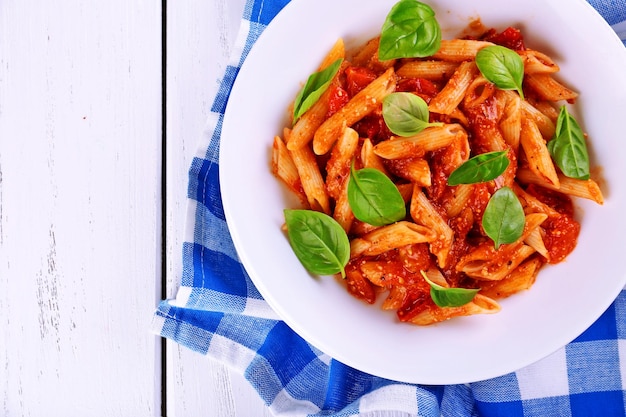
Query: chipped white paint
x: 80, y: 146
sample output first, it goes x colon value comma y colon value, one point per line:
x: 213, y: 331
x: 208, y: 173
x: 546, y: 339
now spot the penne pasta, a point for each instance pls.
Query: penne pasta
x: 311, y: 179
x: 511, y: 121
x: 459, y: 50
x: 359, y: 106
x: 338, y: 165
x: 429, y: 70
x: 587, y: 189
x: 536, y: 151
x: 390, y: 237
x: 454, y: 91
x: 423, y: 212
x: 536, y: 62
x: 415, y: 170
x: 520, y: 279
x: 480, y: 305
x: 548, y: 88
x: 445, y: 233
x: 369, y: 159
x: 427, y: 140
x: 284, y: 168
x: 338, y: 51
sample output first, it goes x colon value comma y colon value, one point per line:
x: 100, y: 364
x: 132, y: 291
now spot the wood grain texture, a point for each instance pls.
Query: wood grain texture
x: 80, y: 143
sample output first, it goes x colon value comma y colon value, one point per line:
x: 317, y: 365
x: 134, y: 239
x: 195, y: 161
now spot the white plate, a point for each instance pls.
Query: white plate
x: 566, y: 299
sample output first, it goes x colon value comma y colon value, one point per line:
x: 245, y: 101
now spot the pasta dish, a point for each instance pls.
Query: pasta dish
x: 437, y: 175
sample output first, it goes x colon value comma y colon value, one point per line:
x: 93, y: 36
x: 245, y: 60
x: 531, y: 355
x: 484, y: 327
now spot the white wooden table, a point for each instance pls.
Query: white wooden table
x: 97, y: 130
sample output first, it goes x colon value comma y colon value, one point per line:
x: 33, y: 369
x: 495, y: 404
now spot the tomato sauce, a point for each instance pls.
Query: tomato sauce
x: 401, y: 269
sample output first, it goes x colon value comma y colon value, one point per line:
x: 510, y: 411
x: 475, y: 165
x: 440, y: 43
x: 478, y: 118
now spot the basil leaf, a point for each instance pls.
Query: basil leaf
x: 569, y: 148
x: 410, y: 31
x: 449, y: 297
x: 374, y: 198
x: 319, y: 242
x: 315, y: 86
x: 406, y: 114
x: 503, y: 219
x: 480, y: 168
x: 502, y: 67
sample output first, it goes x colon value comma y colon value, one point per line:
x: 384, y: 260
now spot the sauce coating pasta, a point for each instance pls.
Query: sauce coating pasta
x: 448, y: 242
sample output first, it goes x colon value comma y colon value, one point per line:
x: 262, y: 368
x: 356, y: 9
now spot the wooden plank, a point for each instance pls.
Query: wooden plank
x: 80, y: 230
x: 200, y: 35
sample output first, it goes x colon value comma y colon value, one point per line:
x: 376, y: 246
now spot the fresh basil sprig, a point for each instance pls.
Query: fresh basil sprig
x: 410, y: 31
x: 502, y: 67
x: 319, y: 242
x: 316, y: 85
x: 480, y: 168
x: 569, y: 148
x: 449, y: 297
x: 406, y: 114
x: 504, y: 219
x: 374, y: 198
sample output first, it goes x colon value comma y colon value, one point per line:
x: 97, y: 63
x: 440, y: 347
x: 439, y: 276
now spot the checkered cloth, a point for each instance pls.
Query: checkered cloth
x: 220, y: 313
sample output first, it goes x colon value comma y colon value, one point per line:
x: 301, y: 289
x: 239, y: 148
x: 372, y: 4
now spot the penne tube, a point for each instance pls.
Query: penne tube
x: 359, y: 106
x: 338, y: 166
x: 415, y: 170
x: 306, y: 126
x: 366, y: 53
x: 430, y: 70
x: 427, y: 140
x: 311, y: 178
x: 490, y: 270
x: 369, y: 159
x: 435, y: 275
x: 479, y: 305
x: 487, y: 263
x: 537, y: 154
x: 535, y: 241
x: 544, y: 123
x: 395, y: 298
x: 511, y: 121
x: 460, y: 197
x: 343, y: 212
x: 424, y: 213
x: 548, y: 88
x: 454, y: 91
x: 587, y: 189
x: 390, y: 237
x: 548, y: 109
x: 536, y: 62
x: 478, y: 92
x: 531, y: 204
x: 459, y: 50
x: 522, y: 278
x: 284, y: 168
x: 338, y: 51
x: 406, y: 191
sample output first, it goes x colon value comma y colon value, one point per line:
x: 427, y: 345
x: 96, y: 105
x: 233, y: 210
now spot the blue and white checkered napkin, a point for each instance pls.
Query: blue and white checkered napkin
x: 219, y: 312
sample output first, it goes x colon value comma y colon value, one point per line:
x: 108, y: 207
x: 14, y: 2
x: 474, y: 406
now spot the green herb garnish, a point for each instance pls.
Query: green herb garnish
x: 480, y: 168
x: 406, y: 114
x: 569, y: 148
x: 410, y: 30
x: 316, y: 85
x: 374, y: 198
x: 319, y: 242
x: 504, y: 219
x: 502, y: 67
x: 449, y: 297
